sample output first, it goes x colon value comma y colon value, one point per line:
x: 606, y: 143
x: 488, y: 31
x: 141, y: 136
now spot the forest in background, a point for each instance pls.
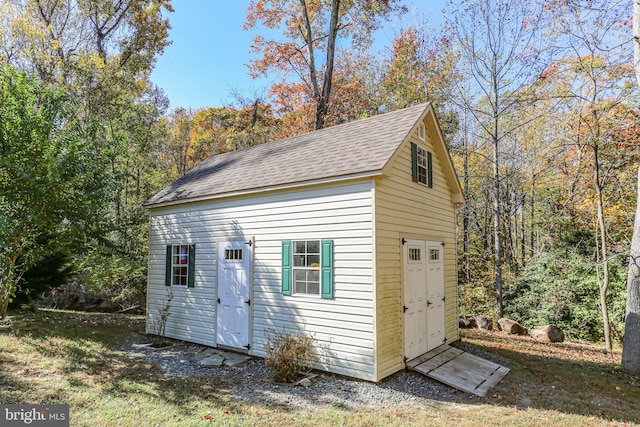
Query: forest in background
x: 537, y: 100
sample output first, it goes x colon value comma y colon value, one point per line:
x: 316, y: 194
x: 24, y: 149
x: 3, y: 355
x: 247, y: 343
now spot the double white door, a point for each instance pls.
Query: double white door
x: 424, y: 299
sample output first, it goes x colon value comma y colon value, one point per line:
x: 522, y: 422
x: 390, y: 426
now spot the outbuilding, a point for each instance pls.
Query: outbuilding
x: 347, y: 232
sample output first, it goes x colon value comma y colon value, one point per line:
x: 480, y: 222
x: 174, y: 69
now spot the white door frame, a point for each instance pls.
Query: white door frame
x: 413, y: 345
x: 241, y: 300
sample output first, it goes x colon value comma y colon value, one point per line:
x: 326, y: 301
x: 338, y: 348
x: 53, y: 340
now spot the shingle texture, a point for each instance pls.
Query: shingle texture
x: 348, y: 149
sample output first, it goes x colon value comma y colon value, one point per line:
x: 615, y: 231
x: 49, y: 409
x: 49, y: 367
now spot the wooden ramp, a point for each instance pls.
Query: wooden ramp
x: 458, y: 369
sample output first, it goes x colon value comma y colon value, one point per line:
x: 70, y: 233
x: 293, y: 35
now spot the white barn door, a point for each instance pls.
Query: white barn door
x: 435, y: 295
x: 415, y: 299
x: 423, y: 297
x: 234, y: 273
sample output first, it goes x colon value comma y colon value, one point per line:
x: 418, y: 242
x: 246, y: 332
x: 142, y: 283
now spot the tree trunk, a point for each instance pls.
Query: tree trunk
x: 466, y: 212
x: 631, y: 347
x: 322, y: 104
x: 496, y: 224
x: 604, y: 285
x: 636, y: 38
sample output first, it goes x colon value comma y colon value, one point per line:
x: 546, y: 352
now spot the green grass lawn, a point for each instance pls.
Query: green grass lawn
x: 75, y: 358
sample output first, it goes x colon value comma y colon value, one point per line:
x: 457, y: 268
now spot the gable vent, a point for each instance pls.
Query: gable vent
x: 421, y: 131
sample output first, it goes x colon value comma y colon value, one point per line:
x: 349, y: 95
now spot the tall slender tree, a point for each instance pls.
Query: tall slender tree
x: 631, y: 347
x: 311, y: 30
x: 499, y: 60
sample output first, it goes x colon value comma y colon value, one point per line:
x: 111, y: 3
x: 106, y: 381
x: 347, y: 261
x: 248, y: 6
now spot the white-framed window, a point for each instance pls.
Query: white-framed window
x: 422, y: 165
x: 434, y: 255
x: 306, y: 267
x: 180, y: 265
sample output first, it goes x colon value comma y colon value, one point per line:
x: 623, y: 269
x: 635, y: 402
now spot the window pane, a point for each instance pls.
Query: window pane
x: 313, y: 261
x: 298, y: 247
x: 314, y: 276
x: 313, y: 246
x: 298, y: 261
x: 300, y: 288
x: 313, y: 288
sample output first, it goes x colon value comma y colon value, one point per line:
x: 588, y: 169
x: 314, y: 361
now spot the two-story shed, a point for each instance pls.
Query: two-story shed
x: 347, y: 232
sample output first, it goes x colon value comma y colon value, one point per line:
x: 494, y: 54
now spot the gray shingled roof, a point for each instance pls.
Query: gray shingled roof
x: 352, y: 148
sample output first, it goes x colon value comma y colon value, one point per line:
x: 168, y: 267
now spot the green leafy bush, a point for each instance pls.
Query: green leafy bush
x: 288, y: 354
x: 560, y: 288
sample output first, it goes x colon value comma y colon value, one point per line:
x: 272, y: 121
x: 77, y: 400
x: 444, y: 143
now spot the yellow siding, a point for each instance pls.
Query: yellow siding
x: 406, y: 207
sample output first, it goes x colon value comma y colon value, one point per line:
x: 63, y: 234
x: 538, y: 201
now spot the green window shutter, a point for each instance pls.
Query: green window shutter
x: 167, y: 276
x: 429, y: 170
x: 286, y: 267
x: 414, y: 162
x: 326, y: 269
x: 191, y: 272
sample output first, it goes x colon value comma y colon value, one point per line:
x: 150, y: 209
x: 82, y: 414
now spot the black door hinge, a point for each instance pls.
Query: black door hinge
x: 248, y: 346
x: 250, y: 242
x: 429, y: 303
x: 442, y: 243
x: 248, y: 302
x: 404, y: 308
x: 406, y: 359
x: 444, y: 340
x: 404, y: 240
x: 444, y: 298
x: 218, y: 300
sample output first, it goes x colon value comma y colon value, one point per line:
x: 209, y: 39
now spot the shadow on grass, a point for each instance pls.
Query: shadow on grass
x: 84, y: 350
x: 571, y: 378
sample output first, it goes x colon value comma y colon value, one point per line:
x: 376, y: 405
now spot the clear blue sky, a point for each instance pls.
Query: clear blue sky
x: 208, y: 57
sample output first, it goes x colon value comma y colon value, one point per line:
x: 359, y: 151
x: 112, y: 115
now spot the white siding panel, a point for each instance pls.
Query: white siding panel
x: 343, y: 327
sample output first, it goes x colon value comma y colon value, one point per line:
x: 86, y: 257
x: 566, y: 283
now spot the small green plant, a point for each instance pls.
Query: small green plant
x: 288, y: 354
x: 160, y: 324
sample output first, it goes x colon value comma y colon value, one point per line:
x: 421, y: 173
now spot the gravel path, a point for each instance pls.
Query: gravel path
x: 250, y: 383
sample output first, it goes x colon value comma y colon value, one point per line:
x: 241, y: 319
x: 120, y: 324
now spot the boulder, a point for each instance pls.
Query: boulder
x: 512, y: 327
x: 484, y: 322
x: 548, y: 333
x: 466, y: 321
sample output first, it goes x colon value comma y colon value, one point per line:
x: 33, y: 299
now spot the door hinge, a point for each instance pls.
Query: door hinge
x: 444, y: 298
x: 403, y: 241
x: 248, y: 346
x: 218, y: 300
x: 248, y: 302
x: 442, y: 243
x: 444, y: 340
x: 429, y: 303
x: 250, y: 242
x: 404, y: 308
x: 406, y: 359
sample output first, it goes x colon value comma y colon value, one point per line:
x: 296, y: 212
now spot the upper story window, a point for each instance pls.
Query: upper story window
x: 421, y: 165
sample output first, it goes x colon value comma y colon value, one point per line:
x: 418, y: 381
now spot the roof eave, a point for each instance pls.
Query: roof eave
x: 258, y: 190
